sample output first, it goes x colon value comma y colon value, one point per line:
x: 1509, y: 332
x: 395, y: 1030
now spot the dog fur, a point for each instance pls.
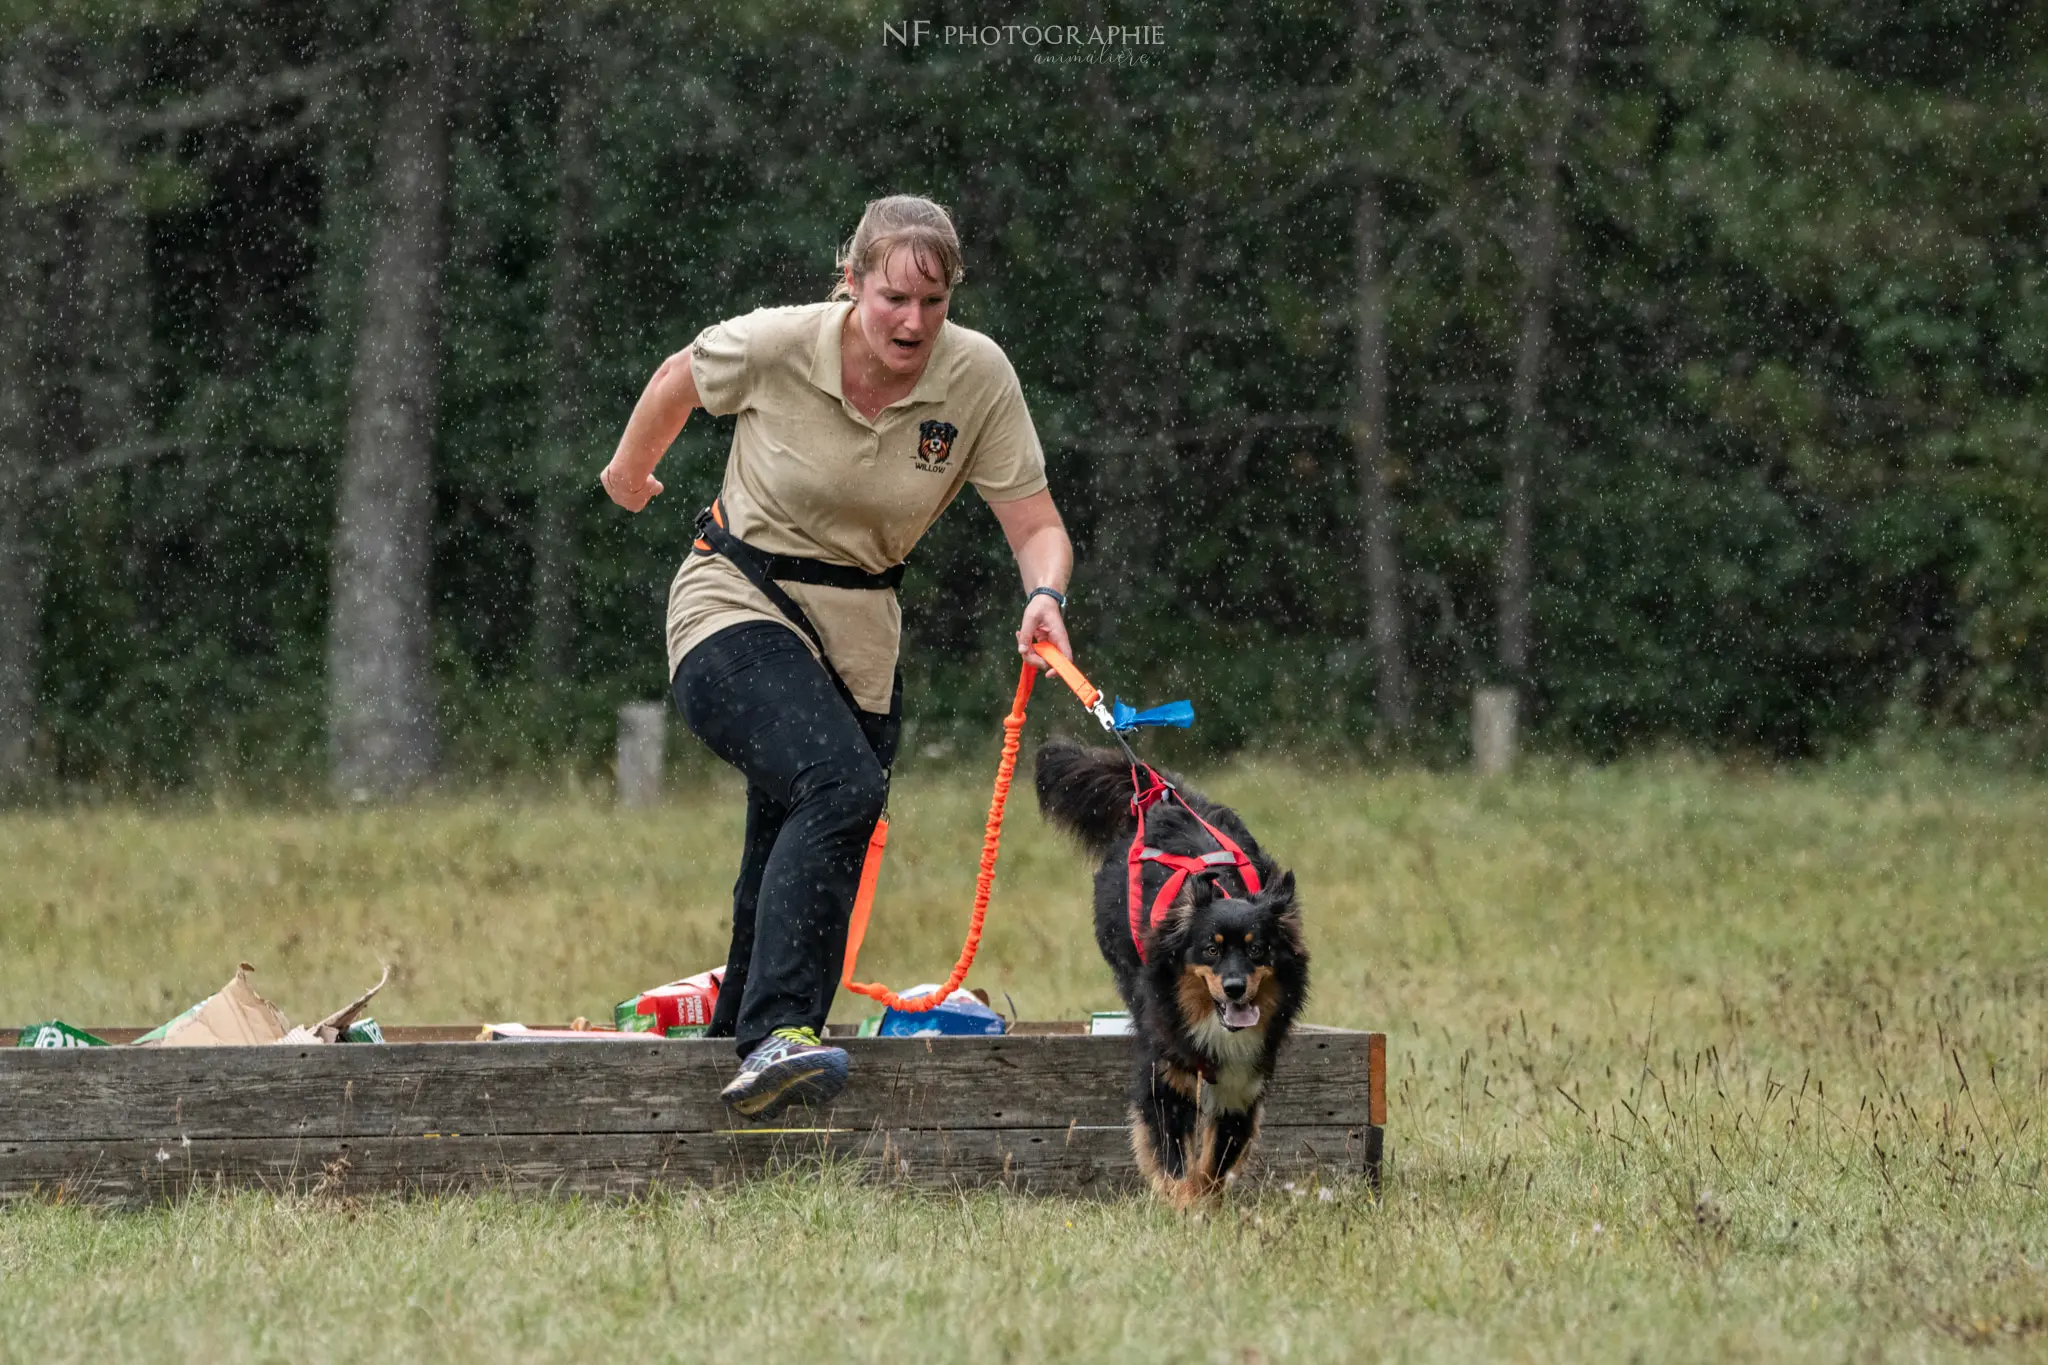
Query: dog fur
x: 1197, y: 1092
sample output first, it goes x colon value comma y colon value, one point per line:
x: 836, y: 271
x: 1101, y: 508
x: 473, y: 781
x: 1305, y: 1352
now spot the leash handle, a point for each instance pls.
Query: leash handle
x: 1089, y: 694
x: 1087, y: 691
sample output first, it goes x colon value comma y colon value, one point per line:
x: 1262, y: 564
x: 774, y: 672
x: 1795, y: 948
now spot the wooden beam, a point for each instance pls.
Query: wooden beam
x: 1033, y: 1111
x: 409, y: 1089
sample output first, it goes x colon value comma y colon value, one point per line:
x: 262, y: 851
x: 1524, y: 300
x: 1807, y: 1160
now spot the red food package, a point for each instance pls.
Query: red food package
x: 682, y: 1004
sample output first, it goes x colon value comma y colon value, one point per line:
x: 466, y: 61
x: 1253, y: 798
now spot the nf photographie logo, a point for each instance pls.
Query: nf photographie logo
x: 1100, y: 38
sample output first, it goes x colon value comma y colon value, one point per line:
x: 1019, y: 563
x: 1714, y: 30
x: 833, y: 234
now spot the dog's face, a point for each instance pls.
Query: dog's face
x: 1230, y: 951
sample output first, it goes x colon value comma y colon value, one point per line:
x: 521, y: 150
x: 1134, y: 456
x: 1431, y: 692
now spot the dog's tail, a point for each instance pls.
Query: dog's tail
x: 1086, y: 792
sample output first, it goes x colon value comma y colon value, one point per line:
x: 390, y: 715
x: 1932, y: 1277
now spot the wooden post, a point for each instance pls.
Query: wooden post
x: 1493, y: 730
x: 643, y: 737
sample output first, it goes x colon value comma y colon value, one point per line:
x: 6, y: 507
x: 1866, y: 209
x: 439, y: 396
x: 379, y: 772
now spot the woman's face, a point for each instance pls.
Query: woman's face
x: 898, y: 310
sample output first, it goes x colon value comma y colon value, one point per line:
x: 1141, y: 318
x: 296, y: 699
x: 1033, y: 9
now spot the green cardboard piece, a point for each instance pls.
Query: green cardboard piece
x: 167, y: 1025
x: 53, y: 1033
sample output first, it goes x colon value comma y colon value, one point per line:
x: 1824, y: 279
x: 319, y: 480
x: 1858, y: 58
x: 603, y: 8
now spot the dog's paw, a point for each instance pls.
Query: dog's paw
x: 1195, y: 1195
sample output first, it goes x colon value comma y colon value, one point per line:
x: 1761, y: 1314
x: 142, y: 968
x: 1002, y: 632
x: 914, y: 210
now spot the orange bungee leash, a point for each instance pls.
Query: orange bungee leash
x: 991, y: 842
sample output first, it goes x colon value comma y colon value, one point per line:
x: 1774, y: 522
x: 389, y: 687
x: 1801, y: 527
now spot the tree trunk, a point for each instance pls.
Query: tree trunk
x: 562, y: 464
x: 21, y: 560
x: 21, y: 593
x: 1161, y: 457
x: 1113, y: 565
x: 1539, y: 279
x: 381, y: 730
x: 46, y: 344
x: 1393, y: 684
x: 73, y: 348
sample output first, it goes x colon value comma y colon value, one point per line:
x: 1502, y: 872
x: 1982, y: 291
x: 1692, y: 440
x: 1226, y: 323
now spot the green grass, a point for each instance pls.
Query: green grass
x: 1687, y: 1063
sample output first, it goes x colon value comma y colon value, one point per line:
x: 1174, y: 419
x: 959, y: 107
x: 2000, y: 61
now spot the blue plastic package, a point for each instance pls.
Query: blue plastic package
x: 960, y: 1015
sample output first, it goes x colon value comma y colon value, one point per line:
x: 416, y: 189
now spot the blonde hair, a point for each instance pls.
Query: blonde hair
x: 902, y: 220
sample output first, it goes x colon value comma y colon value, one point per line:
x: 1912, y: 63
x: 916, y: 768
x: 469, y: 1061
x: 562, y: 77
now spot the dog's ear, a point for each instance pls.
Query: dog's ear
x: 1283, y: 912
x: 1195, y: 893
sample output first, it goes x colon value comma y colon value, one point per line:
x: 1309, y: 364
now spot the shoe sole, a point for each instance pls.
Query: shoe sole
x: 772, y: 1094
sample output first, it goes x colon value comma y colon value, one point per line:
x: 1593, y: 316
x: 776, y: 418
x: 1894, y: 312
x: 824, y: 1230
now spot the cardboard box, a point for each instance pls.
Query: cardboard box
x: 236, y: 1016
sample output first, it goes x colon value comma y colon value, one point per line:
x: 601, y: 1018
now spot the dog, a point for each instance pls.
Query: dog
x: 1222, y: 976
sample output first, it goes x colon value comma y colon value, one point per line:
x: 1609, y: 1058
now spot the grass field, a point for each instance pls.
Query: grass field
x: 1687, y: 1063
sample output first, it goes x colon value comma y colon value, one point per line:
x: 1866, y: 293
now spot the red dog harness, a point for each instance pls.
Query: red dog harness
x: 1145, y: 795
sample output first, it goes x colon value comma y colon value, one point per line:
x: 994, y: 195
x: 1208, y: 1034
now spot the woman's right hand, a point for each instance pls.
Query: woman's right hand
x: 624, y: 489
x: 664, y: 406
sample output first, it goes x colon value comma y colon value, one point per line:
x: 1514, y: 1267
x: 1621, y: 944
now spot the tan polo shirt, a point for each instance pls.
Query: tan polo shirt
x: 808, y: 475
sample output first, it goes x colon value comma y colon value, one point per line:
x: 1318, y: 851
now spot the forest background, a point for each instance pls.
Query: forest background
x: 1678, y: 365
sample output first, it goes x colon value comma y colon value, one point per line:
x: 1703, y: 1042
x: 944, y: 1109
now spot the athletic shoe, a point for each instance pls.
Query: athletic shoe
x: 788, y: 1067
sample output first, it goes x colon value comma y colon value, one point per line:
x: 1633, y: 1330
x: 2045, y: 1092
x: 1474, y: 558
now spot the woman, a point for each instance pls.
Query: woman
x: 860, y: 419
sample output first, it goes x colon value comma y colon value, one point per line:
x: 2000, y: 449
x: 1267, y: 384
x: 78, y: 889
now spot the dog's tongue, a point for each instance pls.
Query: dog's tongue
x: 1240, y: 1015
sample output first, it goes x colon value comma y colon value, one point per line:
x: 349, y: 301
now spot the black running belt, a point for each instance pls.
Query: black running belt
x: 797, y: 569
x: 762, y: 569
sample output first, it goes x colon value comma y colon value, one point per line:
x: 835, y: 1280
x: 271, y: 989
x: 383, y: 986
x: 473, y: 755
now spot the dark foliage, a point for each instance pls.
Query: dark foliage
x: 1790, y: 484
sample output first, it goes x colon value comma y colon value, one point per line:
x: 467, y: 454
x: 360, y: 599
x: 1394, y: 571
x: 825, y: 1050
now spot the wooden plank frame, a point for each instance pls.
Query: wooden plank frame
x: 1040, y: 1110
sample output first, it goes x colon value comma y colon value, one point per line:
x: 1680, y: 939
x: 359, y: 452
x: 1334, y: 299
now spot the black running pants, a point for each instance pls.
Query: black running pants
x: 817, y: 780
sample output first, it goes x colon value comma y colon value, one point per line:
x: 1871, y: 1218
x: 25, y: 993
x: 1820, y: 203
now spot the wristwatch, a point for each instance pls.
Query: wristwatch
x: 1059, y: 598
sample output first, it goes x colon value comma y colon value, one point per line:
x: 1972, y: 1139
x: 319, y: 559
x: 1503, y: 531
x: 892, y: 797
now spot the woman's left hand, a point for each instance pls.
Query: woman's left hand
x: 1045, y: 557
x: 1042, y: 621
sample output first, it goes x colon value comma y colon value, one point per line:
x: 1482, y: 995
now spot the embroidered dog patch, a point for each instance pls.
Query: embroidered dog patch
x: 935, y: 444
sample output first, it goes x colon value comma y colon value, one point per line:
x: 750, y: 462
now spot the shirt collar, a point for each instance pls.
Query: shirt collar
x: 931, y: 385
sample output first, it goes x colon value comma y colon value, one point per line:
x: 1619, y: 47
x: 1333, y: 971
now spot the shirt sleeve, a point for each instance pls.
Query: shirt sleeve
x: 1008, y: 461
x: 718, y: 362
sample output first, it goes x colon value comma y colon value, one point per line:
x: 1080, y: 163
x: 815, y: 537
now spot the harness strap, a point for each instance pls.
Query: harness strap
x: 762, y: 569
x: 798, y: 568
x: 1183, y: 865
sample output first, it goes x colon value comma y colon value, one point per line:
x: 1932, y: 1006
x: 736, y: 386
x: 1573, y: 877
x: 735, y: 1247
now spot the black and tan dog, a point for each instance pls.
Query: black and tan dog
x: 1221, y: 978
